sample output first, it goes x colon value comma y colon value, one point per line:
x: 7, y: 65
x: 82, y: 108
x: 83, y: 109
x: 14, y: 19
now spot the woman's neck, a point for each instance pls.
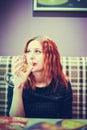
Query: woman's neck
x: 40, y: 80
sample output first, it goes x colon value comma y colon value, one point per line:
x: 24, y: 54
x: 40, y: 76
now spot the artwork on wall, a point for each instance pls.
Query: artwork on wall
x: 60, y: 5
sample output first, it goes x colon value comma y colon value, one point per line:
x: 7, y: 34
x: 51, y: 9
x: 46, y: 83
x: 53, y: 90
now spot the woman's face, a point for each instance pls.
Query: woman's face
x: 35, y: 56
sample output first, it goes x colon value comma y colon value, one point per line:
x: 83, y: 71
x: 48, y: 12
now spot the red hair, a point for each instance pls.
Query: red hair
x: 52, y: 62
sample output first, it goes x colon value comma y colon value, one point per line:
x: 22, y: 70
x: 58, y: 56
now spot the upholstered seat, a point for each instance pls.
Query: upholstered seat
x: 76, y: 70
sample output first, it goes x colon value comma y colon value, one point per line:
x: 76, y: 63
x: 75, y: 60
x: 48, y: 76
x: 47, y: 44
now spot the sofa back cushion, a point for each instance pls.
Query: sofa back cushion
x: 5, y: 67
x: 76, y: 70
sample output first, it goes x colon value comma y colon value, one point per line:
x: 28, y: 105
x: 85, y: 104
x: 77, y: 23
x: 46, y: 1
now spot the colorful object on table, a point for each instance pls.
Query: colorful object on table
x: 64, y: 124
x: 12, y: 123
x: 44, y: 126
x: 72, y: 125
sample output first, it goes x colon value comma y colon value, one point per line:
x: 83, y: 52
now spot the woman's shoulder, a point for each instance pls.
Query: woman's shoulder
x: 64, y: 88
x: 68, y: 81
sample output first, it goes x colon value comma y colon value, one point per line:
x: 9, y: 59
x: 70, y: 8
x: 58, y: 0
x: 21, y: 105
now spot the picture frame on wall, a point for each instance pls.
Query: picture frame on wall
x: 60, y: 5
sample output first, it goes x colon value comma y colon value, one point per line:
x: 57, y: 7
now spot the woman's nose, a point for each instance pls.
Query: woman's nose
x: 32, y: 56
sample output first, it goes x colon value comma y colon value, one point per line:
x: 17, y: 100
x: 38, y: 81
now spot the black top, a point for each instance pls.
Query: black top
x: 46, y: 103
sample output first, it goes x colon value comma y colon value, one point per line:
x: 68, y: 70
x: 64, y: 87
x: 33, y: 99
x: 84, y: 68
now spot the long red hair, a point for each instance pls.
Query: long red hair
x: 52, y: 62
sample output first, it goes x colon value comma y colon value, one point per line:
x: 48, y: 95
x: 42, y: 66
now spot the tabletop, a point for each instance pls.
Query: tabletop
x: 18, y: 123
x: 56, y: 124
x: 13, y: 123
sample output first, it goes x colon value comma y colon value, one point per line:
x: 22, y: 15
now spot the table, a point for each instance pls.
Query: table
x: 56, y: 124
x: 13, y: 123
x: 18, y: 123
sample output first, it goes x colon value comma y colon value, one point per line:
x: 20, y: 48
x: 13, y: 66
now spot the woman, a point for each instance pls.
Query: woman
x: 41, y: 91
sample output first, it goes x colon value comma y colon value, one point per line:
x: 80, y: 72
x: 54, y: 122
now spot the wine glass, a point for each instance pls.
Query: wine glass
x: 10, y: 77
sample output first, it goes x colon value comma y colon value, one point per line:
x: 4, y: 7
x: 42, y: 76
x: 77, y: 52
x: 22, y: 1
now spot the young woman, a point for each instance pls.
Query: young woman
x: 41, y: 88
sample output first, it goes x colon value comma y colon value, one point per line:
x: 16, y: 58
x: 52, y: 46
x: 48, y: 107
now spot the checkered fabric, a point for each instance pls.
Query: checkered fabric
x: 76, y: 70
x: 5, y: 67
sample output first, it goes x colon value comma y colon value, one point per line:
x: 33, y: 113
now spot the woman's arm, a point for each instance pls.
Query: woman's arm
x: 17, y: 108
x: 20, y: 76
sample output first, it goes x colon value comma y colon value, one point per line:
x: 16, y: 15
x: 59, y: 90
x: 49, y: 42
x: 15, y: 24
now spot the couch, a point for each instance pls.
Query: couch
x: 74, y: 67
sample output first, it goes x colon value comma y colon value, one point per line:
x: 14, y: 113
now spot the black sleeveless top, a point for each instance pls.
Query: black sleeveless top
x: 46, y: 103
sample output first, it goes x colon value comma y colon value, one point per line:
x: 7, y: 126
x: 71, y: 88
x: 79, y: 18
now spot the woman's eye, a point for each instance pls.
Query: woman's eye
x: 38, y: 51
x: 28, y: 51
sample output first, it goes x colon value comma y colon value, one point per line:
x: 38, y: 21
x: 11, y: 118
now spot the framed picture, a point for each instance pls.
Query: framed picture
x: 60, y: 5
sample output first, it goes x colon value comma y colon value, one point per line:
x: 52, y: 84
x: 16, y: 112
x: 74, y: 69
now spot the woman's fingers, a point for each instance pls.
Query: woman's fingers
x: 17, y: 63
x: 20, y: 69
x: 29, y: 69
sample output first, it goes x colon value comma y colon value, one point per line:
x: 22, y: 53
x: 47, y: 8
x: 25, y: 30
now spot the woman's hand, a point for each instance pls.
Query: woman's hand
x: 20, y: 70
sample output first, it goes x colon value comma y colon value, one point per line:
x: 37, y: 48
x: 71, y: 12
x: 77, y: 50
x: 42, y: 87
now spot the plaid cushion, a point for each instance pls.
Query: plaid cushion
x: 5, y: 67
x: 74, y: 67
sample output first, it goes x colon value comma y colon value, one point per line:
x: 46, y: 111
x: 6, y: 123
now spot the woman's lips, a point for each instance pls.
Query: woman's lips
x: 33, y: 64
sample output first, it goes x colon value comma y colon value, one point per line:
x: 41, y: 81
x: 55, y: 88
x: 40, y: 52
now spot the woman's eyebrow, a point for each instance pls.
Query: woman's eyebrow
x: 35, y: 48
x: 39, y: 48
